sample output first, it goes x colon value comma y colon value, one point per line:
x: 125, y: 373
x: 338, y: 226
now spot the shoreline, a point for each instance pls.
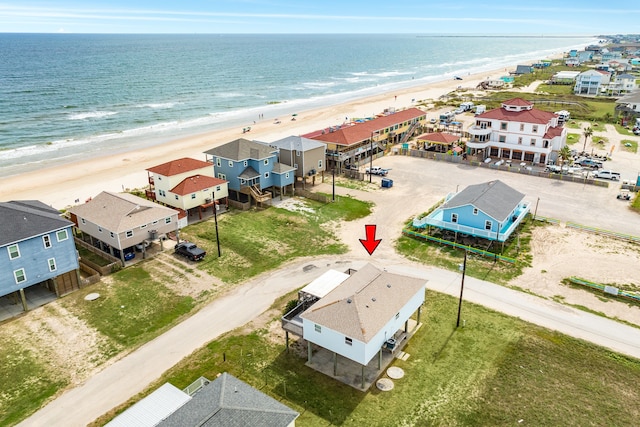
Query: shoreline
x: 71, y: 183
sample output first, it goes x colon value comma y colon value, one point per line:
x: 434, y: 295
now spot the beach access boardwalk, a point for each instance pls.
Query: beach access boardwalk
x: 136, y: 371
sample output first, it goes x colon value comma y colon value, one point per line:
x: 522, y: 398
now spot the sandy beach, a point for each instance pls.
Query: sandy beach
x: 69, y: 184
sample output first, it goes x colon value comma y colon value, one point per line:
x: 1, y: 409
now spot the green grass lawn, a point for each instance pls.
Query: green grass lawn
x: 496, y: 370
x: 629, y: 145
x: 95, y: 258
x: 573, y: 138
x: 259, y: 240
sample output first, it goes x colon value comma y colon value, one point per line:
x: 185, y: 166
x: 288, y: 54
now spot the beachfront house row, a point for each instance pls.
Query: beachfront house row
x: 36, y: 248
x: 186, y: 184
x: 491, y: 210
x: 362, y: 315
x: 252, y: 170
x: 305, y: 155
x: 117, y: 223
x: 354, y: 142
x: 517, y: 132
x: 622, y: 84
x: 591, y: 82
x: 225, y: 401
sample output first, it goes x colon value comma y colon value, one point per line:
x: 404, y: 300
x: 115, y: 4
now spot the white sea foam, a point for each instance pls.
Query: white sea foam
x: 91, y: 115
x: 160, y: 105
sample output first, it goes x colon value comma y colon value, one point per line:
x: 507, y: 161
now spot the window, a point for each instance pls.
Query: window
x: 167, y: 220
x: 487, y: 225
x: 454, y: 217
x: 20, y: 275
x: 230, y: 163
x: 502, y: 138
x: 520, y: 140
x: 222, y: 176
x: 218, y: 161
x: 535, y: 129
x: 177, y: 197
x: 62, y: 235
x: 503, y: 125
x: 397, y: 315
x: 159, y: 178
x: 14, y: 252
x: 193, y: 196
x: 286, y: 175
x: 245, y: 163
x: 318, y: 328
x: 52, y: 264
x: 475, y: 211
x: 533, y: 141
x: 297, y: 153
x: 143, y: 226
x: 319, y: 164
x: 218, y: 188
x: 243, y: 181
x: 348, y: 341
x: 162, y: 193
x: 295, y: 166
x: 266, y: 161
x: 46, y: 240
x: 129, y: 233
x: 99, y: 229
x: 266, y: 174
x: 154, y: 222
x: 112, y: 235
x: 521, y: 127
x: 83, y: 221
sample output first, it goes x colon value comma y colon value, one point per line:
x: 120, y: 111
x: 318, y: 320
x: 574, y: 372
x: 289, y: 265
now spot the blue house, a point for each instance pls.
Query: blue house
x: 252, y: 169
x: 491, y: 210
x: 36, y: 248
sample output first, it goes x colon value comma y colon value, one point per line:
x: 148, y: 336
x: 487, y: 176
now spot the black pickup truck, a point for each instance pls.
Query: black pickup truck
x: 190, y: 250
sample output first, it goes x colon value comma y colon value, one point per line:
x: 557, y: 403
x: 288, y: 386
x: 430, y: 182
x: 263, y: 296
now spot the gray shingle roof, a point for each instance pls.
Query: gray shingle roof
x: 494, y: 198
x: 361, y: 305
x: 297, y: 143
x: 243, y: 149
x: 23, y: 219
x: 120, y: 212
x: 282, y: 168
x: 229, y: 402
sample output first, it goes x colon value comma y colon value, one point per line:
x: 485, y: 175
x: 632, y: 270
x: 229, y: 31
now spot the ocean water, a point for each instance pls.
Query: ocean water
x: 68, y: 96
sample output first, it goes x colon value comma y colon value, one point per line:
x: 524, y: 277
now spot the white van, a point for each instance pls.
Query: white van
x: 606, y: 174
x: 480, y: 109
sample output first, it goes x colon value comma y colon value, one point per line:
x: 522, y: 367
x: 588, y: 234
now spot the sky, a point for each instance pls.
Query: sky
x: 585, y: 17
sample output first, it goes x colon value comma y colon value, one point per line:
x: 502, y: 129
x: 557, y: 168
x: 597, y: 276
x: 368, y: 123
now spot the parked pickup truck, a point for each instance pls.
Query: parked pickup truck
x: 376, y: 170
x: 190, y: 250
x: 614, y: 176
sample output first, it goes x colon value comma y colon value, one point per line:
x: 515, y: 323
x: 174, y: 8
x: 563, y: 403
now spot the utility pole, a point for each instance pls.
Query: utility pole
x: 215, y: 216
x: 333, y: 174
x: 371, y: 159
x: 464, y: 269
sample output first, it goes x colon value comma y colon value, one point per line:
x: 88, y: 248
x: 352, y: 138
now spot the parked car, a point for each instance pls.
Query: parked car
x: 433, y: 121
x: 590, y: 163
x: 607, y: 174
x: 624, y: 195
x: 189, y: 250
x: 553, y: 169
x: 129, y: 253
x: 376, y: 170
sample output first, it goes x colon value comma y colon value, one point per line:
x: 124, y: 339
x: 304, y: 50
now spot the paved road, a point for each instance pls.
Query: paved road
x: 417, y: 185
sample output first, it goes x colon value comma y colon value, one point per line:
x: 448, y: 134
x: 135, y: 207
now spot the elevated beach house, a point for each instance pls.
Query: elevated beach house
x: 117, y: 222
x: 491, y: 210
x: 354, y: 142
x: 36, y: 248
x: 187, y: 185
x: 252, y: 170
x: 305, y: 155
x: 225, y: 401
x: 591, y: 82
x: 358, y: 317
x: 517, y: 132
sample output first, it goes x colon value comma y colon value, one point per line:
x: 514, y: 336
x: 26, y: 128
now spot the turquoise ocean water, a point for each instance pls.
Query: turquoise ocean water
x: 68, y: 96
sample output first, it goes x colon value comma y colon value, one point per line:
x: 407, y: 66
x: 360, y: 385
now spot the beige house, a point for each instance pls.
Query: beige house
x: 117, y: 222
x: 306, y: 155
x: 186, y: 184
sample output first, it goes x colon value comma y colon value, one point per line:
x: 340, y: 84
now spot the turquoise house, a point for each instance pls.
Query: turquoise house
x: 491, y: 210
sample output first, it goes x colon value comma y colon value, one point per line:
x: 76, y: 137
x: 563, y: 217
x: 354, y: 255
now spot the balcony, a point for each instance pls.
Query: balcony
x: 479, y: 131
x: 477, y: 144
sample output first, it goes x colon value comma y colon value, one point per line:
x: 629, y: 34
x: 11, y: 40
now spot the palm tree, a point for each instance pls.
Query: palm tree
x: 564, y: 154
x: 587, y: 133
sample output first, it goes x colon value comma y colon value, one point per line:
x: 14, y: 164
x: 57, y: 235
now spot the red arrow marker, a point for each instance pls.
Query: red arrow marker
x: 370, y: 243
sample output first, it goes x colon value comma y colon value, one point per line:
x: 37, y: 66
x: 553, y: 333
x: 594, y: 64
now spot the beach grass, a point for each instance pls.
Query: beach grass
x: 256, y: 241
x: 496, y: 370
x: 132, y: 309
x: 629, y: 145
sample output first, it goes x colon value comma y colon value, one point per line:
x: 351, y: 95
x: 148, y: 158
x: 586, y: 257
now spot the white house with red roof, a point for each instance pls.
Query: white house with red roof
x: 186, y: 184
x: 518, y: 132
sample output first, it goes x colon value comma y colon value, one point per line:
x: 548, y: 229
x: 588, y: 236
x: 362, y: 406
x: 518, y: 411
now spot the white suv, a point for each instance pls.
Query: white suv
x: 605, y: 174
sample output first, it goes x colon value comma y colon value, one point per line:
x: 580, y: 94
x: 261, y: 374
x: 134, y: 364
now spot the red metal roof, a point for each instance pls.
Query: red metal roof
x: 439, y: 137
x: 196, y: 183
x: 517, y: 102
x: 354, y: 133
x: 553, y: 132
x: 526, y: 116
x: 176, y: 167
